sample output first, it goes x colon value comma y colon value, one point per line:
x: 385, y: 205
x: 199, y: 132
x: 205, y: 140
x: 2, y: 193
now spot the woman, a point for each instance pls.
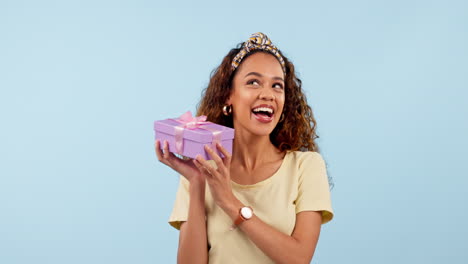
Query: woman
x: 266, y: 202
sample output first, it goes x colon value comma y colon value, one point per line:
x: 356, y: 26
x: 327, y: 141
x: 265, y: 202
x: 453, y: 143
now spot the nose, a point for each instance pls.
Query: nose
x: 267, y: 95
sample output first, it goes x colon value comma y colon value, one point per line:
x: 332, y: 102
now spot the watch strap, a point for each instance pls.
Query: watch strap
x: 240, y: 218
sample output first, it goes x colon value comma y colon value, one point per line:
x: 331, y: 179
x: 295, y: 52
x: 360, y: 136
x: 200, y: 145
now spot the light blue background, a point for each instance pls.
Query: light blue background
x: 82, y: 82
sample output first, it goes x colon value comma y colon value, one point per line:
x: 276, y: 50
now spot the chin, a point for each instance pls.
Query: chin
x: 259, y: 131
x: 256, y: 128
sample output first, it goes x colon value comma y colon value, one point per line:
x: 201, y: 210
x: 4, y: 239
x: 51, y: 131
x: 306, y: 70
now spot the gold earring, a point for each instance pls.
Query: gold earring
x: 227, y: 110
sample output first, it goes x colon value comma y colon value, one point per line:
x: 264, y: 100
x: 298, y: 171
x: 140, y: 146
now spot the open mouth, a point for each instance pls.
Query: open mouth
x: 263, y: 112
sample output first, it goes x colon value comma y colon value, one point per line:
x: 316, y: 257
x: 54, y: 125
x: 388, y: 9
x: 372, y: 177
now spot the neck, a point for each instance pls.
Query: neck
x: 250, y: 151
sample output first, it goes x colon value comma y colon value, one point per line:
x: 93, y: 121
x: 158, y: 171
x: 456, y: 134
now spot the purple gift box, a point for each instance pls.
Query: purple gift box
x: 187, y: 135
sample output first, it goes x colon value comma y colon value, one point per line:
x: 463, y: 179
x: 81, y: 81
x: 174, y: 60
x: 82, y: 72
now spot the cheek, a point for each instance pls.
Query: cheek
x: 244, y: 99
x: 281, y: 101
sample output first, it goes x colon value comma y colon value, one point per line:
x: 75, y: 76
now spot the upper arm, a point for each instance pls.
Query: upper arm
x: 182, y: 230
x: 307, y: 231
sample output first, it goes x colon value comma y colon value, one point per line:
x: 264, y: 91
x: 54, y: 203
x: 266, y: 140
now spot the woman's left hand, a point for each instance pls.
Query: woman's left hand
x: 218, y: 179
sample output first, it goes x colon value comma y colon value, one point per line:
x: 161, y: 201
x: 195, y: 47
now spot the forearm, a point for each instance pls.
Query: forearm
x: 279, y: 247
x: 193, y: 245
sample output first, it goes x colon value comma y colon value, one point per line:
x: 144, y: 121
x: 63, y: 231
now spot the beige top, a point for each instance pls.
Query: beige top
x: 300, y: 184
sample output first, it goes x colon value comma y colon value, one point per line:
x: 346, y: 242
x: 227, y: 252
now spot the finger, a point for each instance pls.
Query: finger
x: 163, y: 154
x: 157, y: 147
x: 201, y: 160
x: 198, y: 165
x: 206, y: 165
x: 201, y: 168
x: 227, y: 155
x: 166, y: 149
x: 215, y: 157
x: 168, y: 155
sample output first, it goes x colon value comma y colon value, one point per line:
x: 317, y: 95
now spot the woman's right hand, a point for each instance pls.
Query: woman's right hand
x: 185, y: 168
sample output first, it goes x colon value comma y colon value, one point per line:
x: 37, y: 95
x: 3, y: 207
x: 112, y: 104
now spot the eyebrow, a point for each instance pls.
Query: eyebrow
x: 259, y: 75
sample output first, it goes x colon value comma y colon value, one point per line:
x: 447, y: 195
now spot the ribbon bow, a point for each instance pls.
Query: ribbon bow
x: 190, y: 121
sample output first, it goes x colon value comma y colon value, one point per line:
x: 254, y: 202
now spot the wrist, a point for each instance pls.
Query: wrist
x: 232, y: 208
x: 197, y: 188
x: 197, y: 182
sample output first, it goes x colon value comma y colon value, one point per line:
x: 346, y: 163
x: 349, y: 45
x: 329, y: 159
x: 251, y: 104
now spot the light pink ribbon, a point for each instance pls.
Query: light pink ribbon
x: 190, y: 122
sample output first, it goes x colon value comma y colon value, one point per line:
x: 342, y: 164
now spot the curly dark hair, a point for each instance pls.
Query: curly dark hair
x: 296, y: 131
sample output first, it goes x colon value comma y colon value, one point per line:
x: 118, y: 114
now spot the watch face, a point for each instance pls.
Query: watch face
x: 246, y: 212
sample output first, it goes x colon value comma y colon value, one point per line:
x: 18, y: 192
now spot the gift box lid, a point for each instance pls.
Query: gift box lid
x: 198, y: 134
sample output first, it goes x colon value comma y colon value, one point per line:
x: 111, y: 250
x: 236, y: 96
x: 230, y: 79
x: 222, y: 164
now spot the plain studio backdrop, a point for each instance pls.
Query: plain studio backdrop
x: 82, y: 82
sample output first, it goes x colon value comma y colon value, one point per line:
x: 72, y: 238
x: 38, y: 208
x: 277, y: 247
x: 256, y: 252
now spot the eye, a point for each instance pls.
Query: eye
x: 278, y: 85
x: 253, y: 82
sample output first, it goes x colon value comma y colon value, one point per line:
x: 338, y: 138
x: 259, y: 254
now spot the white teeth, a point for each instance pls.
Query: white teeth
x: 263, y: 109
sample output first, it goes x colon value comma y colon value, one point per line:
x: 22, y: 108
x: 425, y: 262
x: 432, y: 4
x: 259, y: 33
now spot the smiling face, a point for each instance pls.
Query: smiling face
x: 258, y: 94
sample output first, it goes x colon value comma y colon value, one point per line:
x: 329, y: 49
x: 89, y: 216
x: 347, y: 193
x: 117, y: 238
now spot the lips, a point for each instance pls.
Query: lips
x: 263, y: 113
